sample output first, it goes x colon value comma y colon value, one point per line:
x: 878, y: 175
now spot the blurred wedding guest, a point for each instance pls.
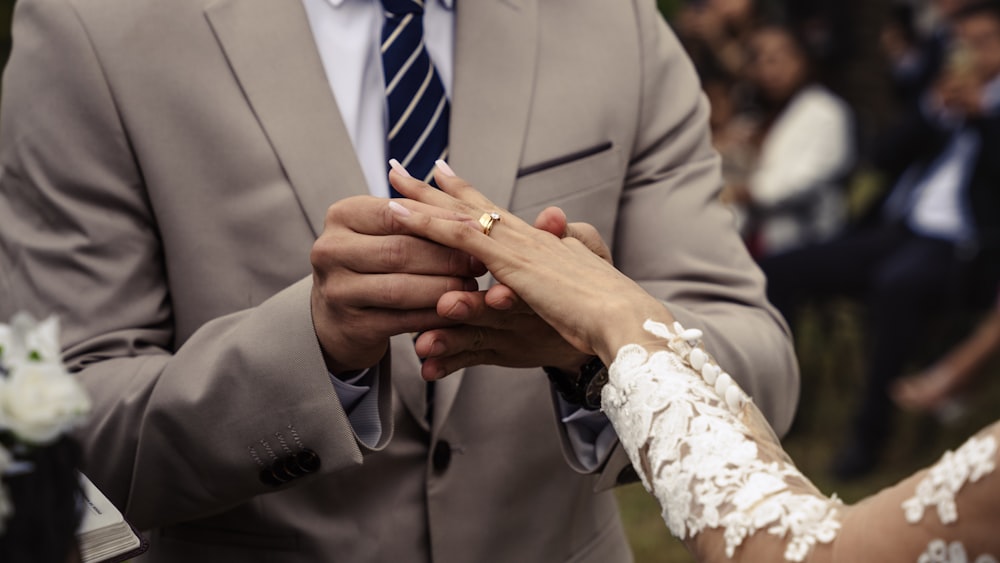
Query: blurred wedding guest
x: 913, y: 61
x: 734, y: 127
x: 199, y: 189
x: 715, y: 34
x: 937, y: 389
x: 792, y: 194
x: 915, y: 55
x: 934, y: 240
x: 825, y: 27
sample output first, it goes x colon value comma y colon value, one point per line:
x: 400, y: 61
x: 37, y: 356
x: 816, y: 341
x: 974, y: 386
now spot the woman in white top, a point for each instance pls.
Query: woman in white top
x: 793, y: 194
x: 696, y: 439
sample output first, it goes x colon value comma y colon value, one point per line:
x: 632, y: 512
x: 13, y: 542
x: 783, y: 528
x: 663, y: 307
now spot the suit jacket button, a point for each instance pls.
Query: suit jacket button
x: 307, y: 461
x: 441, y: 457
x: 268, y: 478
x: 283, y: 470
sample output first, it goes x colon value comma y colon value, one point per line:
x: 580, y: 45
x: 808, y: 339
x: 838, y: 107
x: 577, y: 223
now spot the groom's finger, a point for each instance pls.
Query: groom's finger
x: 553, y: 220
x: 503, y: 298
x: 588, y: 235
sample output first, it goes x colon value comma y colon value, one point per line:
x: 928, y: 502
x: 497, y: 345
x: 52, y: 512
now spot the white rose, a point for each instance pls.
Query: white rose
x: 43, y: 338
x: 26, y: 337
x: 40, y: 401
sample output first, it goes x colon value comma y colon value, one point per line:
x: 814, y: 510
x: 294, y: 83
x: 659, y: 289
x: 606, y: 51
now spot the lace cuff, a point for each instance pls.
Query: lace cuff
x: 705, y: 452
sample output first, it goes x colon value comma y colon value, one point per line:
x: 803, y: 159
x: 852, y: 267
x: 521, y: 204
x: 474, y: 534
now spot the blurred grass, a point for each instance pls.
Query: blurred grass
x: 830, y: 346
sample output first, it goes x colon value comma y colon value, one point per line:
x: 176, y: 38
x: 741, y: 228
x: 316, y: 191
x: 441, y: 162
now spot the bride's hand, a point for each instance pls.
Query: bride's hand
x: 592, y: 305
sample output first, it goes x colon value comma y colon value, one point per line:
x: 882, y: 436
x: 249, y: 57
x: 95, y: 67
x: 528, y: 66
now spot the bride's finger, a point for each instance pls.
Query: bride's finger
x: 455, y: 194
x: 434, y: 210
x: 417, y: 190
x: 466, y: 235
x: 458, y: 188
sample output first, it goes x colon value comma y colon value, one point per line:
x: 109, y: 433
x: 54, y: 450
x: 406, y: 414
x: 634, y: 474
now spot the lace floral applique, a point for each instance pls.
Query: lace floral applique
x: 938, y: 488
x: 684, y: 424
x: 938, y: 551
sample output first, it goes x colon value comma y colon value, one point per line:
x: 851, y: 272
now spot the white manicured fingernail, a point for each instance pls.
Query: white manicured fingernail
x: 399, y: 209
x: 395, y: 165
x: 444, y: 168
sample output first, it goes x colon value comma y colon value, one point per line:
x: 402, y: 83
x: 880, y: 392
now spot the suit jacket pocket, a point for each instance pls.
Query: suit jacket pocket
x: 586, y: 184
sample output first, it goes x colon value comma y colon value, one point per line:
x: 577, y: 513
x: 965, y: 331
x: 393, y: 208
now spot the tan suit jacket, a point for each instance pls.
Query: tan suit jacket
x: 166, y: 166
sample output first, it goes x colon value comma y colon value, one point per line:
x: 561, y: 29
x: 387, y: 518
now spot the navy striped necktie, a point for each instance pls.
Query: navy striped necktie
x: 415, y: 96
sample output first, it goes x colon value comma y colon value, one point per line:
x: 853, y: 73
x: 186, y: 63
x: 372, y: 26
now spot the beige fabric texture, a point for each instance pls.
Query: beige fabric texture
x: 164, y: 170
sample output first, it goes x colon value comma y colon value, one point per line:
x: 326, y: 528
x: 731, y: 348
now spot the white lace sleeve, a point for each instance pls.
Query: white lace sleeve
x: 706, y: 453
x: 695, y: 439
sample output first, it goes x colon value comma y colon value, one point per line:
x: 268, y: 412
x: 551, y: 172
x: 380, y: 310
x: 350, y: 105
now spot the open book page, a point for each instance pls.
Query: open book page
x: 104, y: 535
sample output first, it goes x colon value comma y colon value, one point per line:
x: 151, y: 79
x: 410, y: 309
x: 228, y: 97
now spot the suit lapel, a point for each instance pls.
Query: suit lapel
x: 271, y: 50
x: 495, y: 48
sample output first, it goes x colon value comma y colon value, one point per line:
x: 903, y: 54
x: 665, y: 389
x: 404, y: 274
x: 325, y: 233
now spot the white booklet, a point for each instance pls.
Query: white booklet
x: 104, y: 535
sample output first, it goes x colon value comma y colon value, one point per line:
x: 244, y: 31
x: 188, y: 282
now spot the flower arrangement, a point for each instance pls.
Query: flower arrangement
x: 39, y: 400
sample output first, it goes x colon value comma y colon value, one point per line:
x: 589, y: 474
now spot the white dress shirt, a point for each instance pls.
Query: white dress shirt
x: 348, y: 34
x: 348, y: 37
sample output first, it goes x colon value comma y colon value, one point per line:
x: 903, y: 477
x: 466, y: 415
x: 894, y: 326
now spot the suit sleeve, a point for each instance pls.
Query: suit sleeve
x: 178, y: 431
x: 701, y: 270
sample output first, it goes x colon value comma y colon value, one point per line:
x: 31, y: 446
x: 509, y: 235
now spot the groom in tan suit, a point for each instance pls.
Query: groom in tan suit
x: 167, y: 169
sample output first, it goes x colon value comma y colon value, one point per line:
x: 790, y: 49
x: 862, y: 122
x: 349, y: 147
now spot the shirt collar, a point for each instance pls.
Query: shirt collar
x: 446, y: 4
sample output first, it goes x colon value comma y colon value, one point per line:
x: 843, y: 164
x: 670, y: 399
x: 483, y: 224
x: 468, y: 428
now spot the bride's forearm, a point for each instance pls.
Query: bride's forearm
x: 707, y: 454
x: 624, y: 325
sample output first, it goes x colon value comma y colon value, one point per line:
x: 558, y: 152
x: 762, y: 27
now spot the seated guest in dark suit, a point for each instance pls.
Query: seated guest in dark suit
x: 937, y: 231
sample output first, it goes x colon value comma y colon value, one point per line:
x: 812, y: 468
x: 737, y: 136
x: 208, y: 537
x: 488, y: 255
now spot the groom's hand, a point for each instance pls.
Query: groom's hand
x: 513, y: 338
x: 372, y: 281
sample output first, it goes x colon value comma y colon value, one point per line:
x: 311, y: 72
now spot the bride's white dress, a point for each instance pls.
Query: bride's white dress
x: 730, y: 491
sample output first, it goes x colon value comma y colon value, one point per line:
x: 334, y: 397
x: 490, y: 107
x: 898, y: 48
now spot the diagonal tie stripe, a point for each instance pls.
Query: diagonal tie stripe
x: 399, y: 28
x: 417, y: 104
x: 416, y: 101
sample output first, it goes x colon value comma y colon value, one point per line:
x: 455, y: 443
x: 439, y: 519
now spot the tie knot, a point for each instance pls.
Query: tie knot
x: 401, y: 7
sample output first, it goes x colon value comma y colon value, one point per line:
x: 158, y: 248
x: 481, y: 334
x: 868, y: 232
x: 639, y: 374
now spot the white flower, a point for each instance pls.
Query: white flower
x: 39, y: 401
x: 32, y: 340
x: 947, y: 511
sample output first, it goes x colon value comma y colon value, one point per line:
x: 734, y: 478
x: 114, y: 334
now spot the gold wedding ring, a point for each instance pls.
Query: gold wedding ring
x: 488, y: 221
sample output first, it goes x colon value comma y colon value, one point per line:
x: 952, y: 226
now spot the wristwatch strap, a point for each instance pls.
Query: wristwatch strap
x: 585, y: 388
